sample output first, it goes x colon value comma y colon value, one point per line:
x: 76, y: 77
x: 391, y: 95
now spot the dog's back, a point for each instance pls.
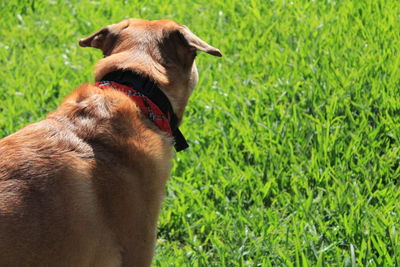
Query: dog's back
x: 48, y: 209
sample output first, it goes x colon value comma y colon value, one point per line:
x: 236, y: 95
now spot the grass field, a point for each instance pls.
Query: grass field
x: 294, y: 133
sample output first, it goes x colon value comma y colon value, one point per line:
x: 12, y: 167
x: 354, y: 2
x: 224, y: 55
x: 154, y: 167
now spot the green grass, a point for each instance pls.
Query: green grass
x: 294, y: 133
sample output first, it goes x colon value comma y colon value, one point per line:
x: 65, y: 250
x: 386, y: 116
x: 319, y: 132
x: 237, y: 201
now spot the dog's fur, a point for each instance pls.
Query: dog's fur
x: 84, y: 187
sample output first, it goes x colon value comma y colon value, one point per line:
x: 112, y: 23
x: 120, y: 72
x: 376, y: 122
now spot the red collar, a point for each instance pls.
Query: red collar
x: 151, y: 110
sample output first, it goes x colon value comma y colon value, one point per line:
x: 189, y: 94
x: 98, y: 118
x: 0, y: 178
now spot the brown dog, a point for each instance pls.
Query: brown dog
x: 84, y: 187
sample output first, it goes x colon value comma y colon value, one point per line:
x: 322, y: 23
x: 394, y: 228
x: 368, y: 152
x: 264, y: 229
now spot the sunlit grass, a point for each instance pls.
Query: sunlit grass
x: 294, y: 133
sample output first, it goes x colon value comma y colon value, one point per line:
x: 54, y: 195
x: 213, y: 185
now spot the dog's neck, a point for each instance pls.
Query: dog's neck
x: 171, y: 80
x: 150, y: 90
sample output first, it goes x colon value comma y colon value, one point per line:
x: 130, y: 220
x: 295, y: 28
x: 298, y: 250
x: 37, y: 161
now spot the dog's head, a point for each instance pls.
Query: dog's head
x: 161, y: 49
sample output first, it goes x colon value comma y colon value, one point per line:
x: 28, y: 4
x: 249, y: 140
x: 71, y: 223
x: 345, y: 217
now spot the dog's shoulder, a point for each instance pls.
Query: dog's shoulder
x: 40, y: 149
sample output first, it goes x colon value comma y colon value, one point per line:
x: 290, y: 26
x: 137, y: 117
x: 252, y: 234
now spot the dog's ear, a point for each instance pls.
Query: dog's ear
x: 103, y: 39
x: 195, y: 43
